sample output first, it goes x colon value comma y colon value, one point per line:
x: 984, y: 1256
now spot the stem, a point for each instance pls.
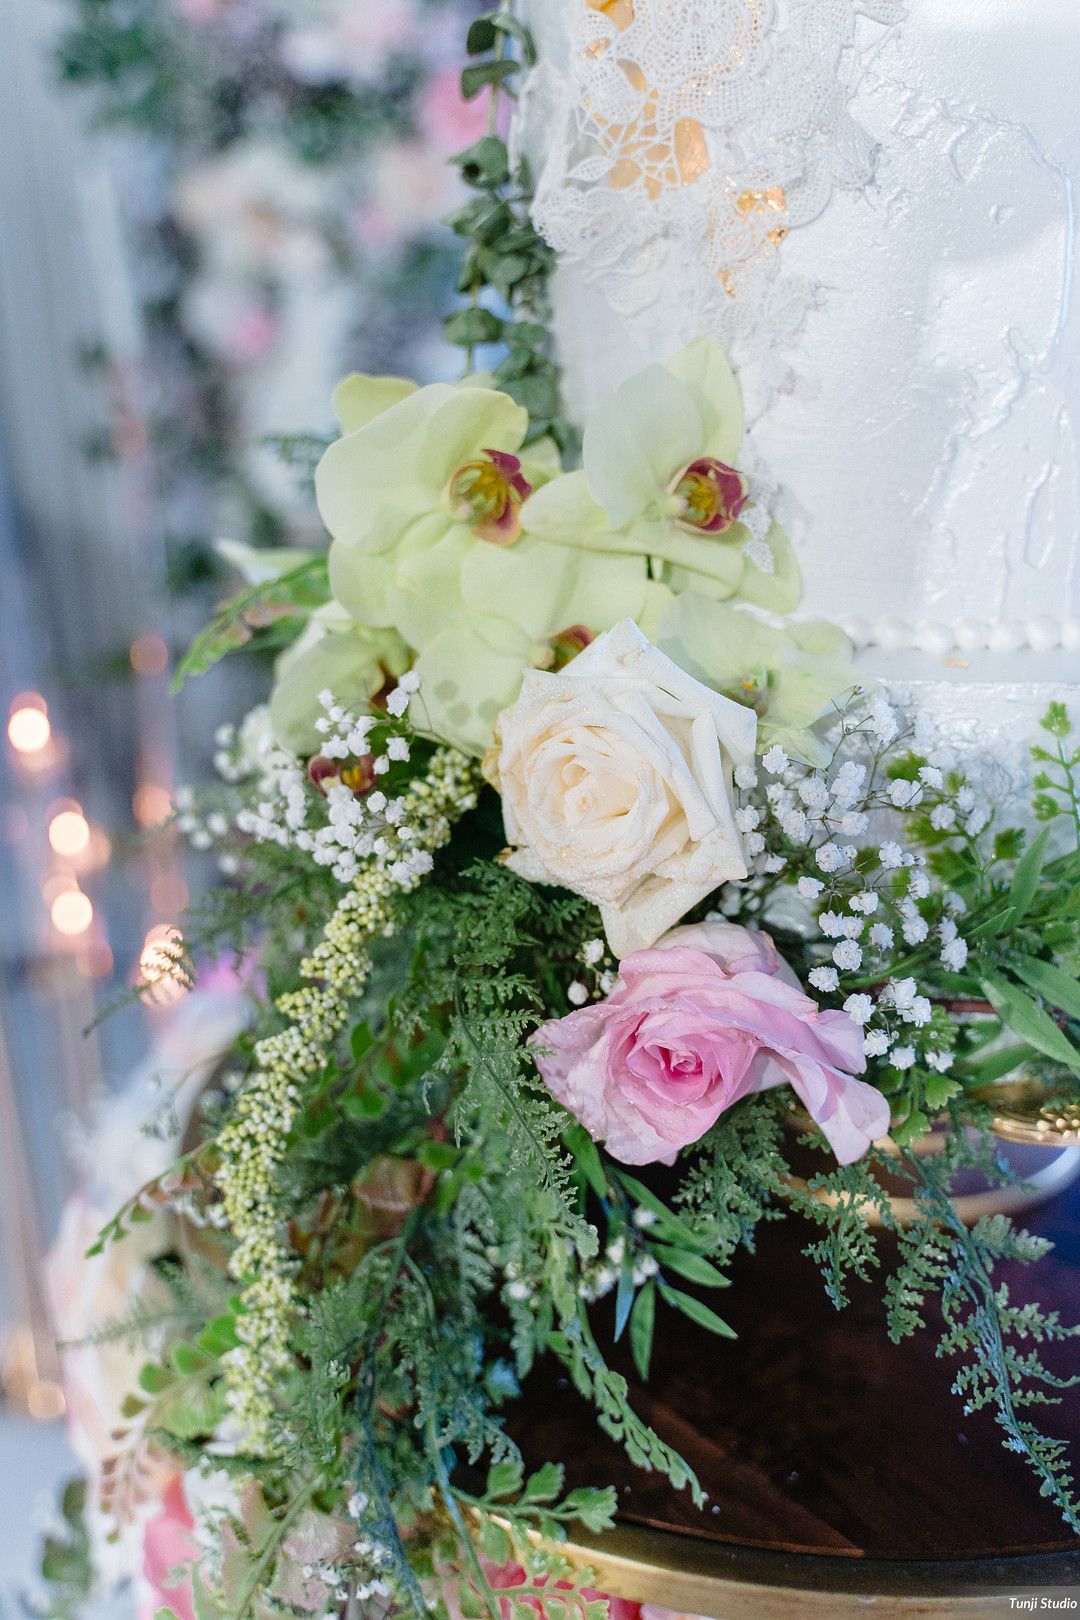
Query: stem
x: 446, y: 1491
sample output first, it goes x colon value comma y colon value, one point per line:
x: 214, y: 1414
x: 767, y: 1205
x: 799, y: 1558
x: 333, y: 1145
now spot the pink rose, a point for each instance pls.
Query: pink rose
x: 707, y: 1016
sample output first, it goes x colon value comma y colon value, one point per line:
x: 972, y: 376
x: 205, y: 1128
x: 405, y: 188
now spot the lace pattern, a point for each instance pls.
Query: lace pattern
x: 676, y: 143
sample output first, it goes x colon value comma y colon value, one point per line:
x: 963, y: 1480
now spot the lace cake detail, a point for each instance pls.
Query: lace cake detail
x: 683, y: 139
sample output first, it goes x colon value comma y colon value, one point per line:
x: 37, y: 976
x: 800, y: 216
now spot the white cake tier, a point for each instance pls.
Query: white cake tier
x: 875, y: 214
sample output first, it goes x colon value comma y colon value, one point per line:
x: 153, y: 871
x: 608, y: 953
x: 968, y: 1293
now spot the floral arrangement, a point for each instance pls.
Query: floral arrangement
x: 559, y: 853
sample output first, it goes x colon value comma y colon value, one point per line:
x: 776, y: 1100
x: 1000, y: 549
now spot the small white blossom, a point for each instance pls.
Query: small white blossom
x: 592, y: 951
x: 891, y: 855
x: 931, y: 777
x: 847, y: 955
x: 775, y: 761
x: 809, y: 887
x: 903, y: 1057
x: 577, y: 994
x: 860, y: 1008
x: 644, y: 1218
x: 866, y: 902
x: 918, y: 885
x: 397, y: 702
x: 943, y: 817
x: 877, y: 1042
x: 755, y: 843
x: 905, y: 795
x: 915, y: 930
x: 883, y: 722
x: 854, y: 823
x: 824, y: 978
x: 942, y: 1062
x: 882, y: 936
x: 829, y: 858
x: 795, y: 826
x: 813, y: 792
x: 830, y: 923
x: 746, y: 777
x: 965, y: 800
x: 955, y: 954
x: 919, y: 1013
x: 773, y: 863
x: 747, y: 818
x: 902, y: 992
x: 397, y: 748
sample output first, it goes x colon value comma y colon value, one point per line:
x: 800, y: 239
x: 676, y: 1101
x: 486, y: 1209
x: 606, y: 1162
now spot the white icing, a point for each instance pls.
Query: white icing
x: 909, y: 351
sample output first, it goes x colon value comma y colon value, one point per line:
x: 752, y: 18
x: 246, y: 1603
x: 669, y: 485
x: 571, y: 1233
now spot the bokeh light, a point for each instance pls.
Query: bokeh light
x: 71, y: 912
x: 151, y: 804
x: 149, y: 655
x: 157, y: 963
x: 28, y: 728
x: 69, y: 833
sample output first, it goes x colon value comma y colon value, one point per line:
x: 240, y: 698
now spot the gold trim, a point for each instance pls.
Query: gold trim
x: 680, y: 1573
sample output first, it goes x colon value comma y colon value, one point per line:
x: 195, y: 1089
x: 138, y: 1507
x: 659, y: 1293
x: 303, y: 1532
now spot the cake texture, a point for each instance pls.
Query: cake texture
x: 871, y: 207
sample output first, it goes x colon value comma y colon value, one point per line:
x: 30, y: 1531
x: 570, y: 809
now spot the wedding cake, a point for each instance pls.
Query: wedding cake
x: 870, y: 205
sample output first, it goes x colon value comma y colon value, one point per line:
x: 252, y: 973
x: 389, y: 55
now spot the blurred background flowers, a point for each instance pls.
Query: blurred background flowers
x: 212, y: 210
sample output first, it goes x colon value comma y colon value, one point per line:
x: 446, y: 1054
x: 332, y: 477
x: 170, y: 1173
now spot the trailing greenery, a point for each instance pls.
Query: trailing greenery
x: 507, y: 263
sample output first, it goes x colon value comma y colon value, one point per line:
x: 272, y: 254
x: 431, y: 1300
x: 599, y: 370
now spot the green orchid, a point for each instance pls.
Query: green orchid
x: 791, y: 675
x: 333, y: 653
x: 424, y: 496
x: 659, y: 481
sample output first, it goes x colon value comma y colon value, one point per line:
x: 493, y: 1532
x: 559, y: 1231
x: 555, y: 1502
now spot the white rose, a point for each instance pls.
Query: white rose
x: 616, y: 781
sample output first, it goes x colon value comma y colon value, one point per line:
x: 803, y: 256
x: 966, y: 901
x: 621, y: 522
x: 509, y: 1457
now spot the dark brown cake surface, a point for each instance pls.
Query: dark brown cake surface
x: 812, y: 1433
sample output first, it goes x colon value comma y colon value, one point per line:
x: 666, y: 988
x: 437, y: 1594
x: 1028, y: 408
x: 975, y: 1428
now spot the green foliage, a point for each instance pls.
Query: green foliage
x: 983, y: 1330
x: 67, y: 1570
x: 295, y: 592
x: 506, y: 260
x: 1057, y: 785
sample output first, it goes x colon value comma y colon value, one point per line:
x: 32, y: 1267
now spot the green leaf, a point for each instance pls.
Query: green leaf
x: 153, y: 1379
x: 584, y: 1149
x: 984, y: 1071
x: 545, y: 1485
x: 1048, y: 981
x: 471, y: 327
x: 642, y: 1322
x: 494, y: 1542
x: 939, y: 1088
x: 482, y: 36
x: 504, y: 1479
x: 361, y: 1041
x: 691, y: 1265
x: 438, y: 1155
x: 486, y: 159
x: 478, y: 75
x: 624, y: 1296
x: 1029, y: 1021
x: 668, y: 1221
x: 1056, y: 720
x: 1025, y: 881
x: 306, y: 585
x: 696, y: 1311
x: 593, y: 1508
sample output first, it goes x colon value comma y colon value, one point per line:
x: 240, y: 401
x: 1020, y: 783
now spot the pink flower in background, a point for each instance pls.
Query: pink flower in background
x: 201, y: 11
x: 447, y: 121
x: 168, y: 1544
x: 252, y: 334
x: 706, y: 1017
